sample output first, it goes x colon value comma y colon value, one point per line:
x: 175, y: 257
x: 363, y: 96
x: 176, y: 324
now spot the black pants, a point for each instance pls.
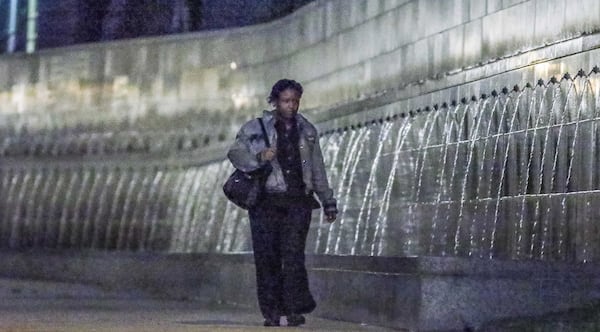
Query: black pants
x: 278, y: 238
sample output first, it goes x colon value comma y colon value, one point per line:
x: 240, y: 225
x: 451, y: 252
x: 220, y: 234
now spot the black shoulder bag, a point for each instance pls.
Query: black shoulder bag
x: 244, y: 189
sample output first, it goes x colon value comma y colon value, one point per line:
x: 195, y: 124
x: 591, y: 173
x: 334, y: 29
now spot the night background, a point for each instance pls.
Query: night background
x: 67, y: 22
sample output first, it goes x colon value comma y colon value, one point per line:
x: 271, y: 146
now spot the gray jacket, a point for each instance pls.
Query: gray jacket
x: 249, y: 142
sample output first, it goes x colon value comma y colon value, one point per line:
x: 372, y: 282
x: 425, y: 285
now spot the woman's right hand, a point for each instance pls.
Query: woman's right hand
x: 268, y: 154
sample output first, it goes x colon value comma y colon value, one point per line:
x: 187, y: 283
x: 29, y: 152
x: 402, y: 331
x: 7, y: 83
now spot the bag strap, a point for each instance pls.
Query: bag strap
x: 264, y: 131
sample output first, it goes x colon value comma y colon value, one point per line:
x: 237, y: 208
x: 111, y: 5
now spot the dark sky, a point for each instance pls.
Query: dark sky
x: 66, y: 22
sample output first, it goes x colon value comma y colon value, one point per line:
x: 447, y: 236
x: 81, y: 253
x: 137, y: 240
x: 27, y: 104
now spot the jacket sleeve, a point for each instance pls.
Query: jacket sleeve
x: 241, y: 153
x: 320, y: 182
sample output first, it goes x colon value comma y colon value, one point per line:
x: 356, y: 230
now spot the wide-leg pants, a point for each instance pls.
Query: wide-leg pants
x: 278, y: 239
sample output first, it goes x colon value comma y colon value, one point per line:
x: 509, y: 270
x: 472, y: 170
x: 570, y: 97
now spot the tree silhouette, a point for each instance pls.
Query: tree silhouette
x: 92, y: 14
x: 195, y: 14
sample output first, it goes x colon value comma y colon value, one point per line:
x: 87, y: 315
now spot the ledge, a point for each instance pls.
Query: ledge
x: 415, y: 293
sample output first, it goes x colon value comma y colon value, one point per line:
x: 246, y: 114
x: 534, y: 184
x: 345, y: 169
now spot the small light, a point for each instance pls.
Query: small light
x: 233, y: 65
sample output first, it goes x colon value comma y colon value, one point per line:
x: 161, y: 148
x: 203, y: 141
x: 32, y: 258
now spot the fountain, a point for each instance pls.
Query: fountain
x: 504, y: 175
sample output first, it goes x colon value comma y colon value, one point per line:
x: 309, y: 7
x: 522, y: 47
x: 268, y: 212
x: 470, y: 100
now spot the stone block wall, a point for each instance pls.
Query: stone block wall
x: 342, y: 51
x: 413, y: 294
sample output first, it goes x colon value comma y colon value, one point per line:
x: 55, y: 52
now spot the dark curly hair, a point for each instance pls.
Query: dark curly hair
x: 282, y: 85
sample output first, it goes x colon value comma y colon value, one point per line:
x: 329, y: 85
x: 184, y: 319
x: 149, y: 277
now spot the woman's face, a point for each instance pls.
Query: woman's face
x: 288, y: 103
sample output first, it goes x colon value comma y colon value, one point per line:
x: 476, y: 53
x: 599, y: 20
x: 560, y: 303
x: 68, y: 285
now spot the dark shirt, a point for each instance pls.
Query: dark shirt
x: 288, y: 156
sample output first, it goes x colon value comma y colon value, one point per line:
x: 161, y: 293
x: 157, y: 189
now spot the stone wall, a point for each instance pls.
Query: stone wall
x: 342, y: 51
x: 412, y: 293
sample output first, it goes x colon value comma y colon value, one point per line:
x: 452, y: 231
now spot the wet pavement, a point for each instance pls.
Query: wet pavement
x: 43, y: 306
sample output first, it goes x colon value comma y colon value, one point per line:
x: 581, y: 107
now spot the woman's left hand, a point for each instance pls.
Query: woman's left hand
x: 331, y: 217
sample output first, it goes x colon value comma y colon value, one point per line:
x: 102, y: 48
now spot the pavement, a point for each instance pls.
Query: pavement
x: 44, y: 306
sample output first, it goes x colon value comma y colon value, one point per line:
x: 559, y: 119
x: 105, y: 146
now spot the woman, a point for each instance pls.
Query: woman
x: 280, y: 221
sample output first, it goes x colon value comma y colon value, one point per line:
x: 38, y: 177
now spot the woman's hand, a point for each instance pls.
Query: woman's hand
x: 331, y: 217
x: 268, y: 154
x: 330, y: 210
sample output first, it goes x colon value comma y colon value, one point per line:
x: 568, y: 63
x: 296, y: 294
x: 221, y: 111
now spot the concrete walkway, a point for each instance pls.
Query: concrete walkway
x: 28, y: 306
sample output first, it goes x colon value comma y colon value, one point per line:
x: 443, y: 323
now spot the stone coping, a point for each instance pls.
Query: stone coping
x: 423, y: 265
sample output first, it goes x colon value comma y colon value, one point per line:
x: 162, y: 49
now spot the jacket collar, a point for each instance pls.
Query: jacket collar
x: 269, y: 117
